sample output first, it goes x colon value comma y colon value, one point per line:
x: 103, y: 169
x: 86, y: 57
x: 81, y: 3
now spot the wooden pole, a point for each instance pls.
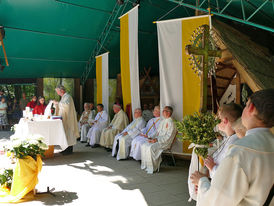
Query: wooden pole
x: 4, y: 50
x: 205, y: 68
x: 238, y: 88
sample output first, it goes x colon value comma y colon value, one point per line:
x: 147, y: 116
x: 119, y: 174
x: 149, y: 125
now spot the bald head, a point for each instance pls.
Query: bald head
x: 137, y: 113
x: 116, y: 108
x: 60, y: 90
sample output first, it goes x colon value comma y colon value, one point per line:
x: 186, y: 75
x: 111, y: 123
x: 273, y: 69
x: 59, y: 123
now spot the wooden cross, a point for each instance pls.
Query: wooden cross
x: 205, y: 52
x: 2, y: 35
x: 147, y: 77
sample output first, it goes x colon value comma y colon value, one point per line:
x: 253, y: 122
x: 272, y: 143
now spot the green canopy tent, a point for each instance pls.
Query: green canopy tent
x: 59, y: 38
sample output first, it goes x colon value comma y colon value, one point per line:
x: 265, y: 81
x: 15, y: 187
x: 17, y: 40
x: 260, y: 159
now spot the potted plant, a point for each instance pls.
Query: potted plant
x: 199, y: 130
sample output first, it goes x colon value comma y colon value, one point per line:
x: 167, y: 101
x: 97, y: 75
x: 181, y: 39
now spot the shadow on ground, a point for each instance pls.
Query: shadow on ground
x: 58, y: 197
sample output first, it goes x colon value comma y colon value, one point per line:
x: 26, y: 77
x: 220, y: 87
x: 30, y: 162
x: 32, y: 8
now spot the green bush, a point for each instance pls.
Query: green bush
x: 198, y: 129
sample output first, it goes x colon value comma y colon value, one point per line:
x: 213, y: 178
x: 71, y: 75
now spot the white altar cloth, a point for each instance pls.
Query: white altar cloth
x: 52, y: 130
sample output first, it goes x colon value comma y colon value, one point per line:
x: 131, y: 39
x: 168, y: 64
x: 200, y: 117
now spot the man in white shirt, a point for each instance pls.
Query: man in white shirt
x: 86, y: 126
x: 100, y: 122
x: 246, y: 174
x: 122, y: 141
x: 228, y: 114
x: 147, y: 132
x: 151, y: 151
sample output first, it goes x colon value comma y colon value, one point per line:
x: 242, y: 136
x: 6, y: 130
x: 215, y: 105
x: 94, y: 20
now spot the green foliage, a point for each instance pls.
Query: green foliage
x: 51, y: 83
x: 198, y: 129
x: 27, y: 147
x: 6, y: 178
x: 15, y: 91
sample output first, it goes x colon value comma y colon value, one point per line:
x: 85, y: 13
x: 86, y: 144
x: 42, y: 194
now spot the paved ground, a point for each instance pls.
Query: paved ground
x: 93, y: 177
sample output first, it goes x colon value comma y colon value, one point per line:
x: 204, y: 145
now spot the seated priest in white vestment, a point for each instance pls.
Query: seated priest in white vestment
x: 86, y: 123
x: 147, y: 113
x: 245, y: 176
x: 85, y: 120
x: 119, y: 122
x: 122, y: 141
x: 100, y: 122
x: 147, y: 132
x: 84, y: 117
x: 65, y: 108
x: 151, y: 151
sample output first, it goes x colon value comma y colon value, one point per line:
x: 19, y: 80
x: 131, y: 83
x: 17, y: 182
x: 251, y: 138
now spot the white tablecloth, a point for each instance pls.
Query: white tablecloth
x: 52, y: 130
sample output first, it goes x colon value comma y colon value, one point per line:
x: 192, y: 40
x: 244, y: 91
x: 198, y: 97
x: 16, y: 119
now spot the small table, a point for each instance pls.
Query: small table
x: 52, y: 131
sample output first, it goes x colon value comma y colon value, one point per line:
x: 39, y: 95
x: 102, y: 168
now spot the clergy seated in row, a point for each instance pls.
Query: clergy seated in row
x: 86, y: 119
x: 100, y: 122
x: 245, y: 176
x: 122, y: 141
x: 117, y: 125
x: 147, y: 132
x: 147, y: 113
x: 151, y: 151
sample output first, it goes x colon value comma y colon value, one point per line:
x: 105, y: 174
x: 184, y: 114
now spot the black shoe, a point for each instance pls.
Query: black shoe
x: 67, y: 151
x: 109, y: 150
x: 83, y: 141
x: 87, y: 145
x: 94, y: 146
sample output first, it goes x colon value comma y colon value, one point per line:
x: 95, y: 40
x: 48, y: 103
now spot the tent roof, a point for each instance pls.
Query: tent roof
x: 253, y: 58
x: 55, y: 38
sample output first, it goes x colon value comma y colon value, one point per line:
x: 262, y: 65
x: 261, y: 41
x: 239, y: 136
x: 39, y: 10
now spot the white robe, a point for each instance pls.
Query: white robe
x: 94, y: 132
x: 85, y: 127
x: 83, y: 119
x: 66, y: 110
x: 151, y: 152
x: 133, y: 129
x: 246, y: 174
x: 119, y: 122
x: 218, y: 156
x: 149, y: 130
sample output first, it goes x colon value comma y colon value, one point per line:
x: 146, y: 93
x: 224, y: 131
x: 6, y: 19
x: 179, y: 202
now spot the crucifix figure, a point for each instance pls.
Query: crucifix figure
x: 206, y: 52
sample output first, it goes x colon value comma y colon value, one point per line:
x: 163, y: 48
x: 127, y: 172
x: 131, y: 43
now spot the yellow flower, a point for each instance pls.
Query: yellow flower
x: 8, y: 153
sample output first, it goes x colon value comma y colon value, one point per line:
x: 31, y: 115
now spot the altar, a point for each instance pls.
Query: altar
x: 52, y: 131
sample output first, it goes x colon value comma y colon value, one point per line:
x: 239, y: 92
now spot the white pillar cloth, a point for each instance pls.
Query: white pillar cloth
x: 129, y: 58
x: 102, y: 79
x: 180, y: 86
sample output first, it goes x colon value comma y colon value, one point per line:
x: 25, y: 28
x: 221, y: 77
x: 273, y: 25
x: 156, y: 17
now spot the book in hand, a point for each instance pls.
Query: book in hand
x: 56, y: 117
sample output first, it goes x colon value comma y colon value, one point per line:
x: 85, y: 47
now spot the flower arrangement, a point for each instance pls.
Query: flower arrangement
x: 198, y: 129
x: 19, y: 148
x: 22, y: 147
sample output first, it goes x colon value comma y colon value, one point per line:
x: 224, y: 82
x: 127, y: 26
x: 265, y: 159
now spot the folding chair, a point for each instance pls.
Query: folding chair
x: 169, y: 150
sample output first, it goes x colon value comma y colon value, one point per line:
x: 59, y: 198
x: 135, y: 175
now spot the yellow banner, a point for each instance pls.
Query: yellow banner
x: 99, y: 79
x: 191, y: 80
x: 124, y: 53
